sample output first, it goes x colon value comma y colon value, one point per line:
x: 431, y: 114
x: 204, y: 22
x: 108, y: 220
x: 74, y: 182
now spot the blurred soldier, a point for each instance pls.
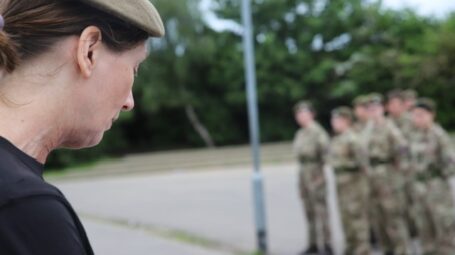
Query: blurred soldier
x: 386, y: 147
x: 361, y: 113
x: 352, y: 182
x: 362, y: 116
x: 400, y: 116
x: 410, y: 97
x: 311, y: 147
x: 397, y: 110
x: 433, y: 163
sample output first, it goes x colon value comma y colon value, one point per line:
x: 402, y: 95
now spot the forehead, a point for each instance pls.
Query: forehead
x: 338, y: 117
x: 143, y: 50
x: 420, y: 111
x: 303, y: 111
x: 395, y: 100
x: 375, y: 105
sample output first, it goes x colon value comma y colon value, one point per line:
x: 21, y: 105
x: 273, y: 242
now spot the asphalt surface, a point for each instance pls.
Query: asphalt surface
x: 207, y: 212
x: 119, y: 240
x: 186, y: 203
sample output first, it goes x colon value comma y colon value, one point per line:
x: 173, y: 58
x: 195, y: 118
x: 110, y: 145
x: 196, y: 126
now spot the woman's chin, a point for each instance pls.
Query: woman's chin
x: 83, y: 142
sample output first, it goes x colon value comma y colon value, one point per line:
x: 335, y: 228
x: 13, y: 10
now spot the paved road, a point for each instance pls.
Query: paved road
x: 214, y: 207
x: 111, y: 239
x: 177, y: 203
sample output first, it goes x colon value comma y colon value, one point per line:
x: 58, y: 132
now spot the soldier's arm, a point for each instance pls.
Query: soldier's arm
x: 323, y: 147
x: 360, y: 153
x: 400, y: 148
x: 447, y: 152
x: 295, y: 144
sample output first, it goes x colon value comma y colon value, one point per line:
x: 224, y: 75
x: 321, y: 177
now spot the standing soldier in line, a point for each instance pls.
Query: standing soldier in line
x: 399, y: 115
x: 397, y: 110
x: 362, y: 116
x: 311, y: 145
x: 410, y: 97
x: 361, y: 113
x: 352, y: 182
x: 386, y: 148
x: 433, y: 163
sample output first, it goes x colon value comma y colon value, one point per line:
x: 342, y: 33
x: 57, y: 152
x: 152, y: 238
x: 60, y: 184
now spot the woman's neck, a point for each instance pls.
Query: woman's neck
x: 30, y: 133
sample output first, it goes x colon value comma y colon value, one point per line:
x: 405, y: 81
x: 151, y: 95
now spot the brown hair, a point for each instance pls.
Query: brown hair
x: 32, y: 27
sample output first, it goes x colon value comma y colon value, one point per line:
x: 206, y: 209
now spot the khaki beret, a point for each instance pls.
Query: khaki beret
x: 360, y: 101
x: 344, y: 112
x: 375, y: 98
x: 395, y: 94
x: 426, y: 104
x: 140, y: 13
x: 303, y: 105
x: 410, y: 94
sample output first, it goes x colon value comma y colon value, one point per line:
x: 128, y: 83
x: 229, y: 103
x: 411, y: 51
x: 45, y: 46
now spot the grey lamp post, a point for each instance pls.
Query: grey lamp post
x: 250, y: 75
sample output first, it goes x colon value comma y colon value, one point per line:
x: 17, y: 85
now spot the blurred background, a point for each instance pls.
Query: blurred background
x: 191, y: 92
x: 173, y: 176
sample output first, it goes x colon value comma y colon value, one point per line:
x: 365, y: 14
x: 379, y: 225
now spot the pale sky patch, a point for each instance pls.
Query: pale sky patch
x: 434, y: 8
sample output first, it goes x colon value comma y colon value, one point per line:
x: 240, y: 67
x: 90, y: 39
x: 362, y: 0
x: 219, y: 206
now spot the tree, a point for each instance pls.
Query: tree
x: 191, y: 91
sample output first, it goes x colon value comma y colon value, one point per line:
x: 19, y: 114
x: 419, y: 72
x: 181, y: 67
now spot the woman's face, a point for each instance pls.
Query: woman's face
x: 105, y: 95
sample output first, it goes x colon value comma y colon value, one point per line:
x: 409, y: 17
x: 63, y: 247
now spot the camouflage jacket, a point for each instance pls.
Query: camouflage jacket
x: 311, y: 144
x: 384, y: 142
x: 403, y: 123
x: 358, y: 127
x: 346, y: 152
x: 432, y: 150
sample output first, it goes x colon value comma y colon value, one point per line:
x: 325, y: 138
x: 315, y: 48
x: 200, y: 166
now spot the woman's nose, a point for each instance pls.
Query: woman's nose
x: 129, y: 104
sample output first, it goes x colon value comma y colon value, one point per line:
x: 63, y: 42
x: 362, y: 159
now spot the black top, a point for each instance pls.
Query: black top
x: 35, y: 217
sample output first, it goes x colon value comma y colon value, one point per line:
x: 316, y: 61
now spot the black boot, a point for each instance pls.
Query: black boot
x: 374, y: 240
x: 312, y: 250
x: 327, y: 250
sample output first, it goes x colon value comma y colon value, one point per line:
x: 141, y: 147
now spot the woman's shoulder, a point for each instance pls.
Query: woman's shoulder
x: 40, y: 210
x: 48, y: 225
x: 17, y: 184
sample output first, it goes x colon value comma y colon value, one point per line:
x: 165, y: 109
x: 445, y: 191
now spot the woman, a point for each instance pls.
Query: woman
x: 66, y: 72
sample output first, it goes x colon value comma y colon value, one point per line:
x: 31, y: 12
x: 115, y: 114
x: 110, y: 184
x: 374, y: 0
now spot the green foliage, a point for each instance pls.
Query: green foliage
x: 327, y: 51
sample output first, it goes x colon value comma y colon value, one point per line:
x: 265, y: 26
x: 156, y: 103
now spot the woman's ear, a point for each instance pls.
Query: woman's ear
x: 88, y: 50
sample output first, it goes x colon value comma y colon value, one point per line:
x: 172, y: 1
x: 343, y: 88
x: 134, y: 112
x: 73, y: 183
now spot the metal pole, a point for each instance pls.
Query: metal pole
x: 250, y: 75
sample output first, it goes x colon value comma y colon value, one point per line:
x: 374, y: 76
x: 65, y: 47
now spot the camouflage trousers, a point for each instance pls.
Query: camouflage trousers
x: 353, y: 195
x: 387, y: 209
x: 434, y: 216
x: 313, y: 192
x: 410, y: 200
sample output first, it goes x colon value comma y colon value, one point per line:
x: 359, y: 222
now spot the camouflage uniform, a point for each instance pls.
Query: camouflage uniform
x: 386, y: 147
x: 359, y: 125
x: 433, y: 163
x: 352, y: 183
x: 403, y: 123
x: 311, y: 148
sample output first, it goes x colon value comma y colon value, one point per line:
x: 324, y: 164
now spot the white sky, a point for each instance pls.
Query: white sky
x: 437, y: 8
